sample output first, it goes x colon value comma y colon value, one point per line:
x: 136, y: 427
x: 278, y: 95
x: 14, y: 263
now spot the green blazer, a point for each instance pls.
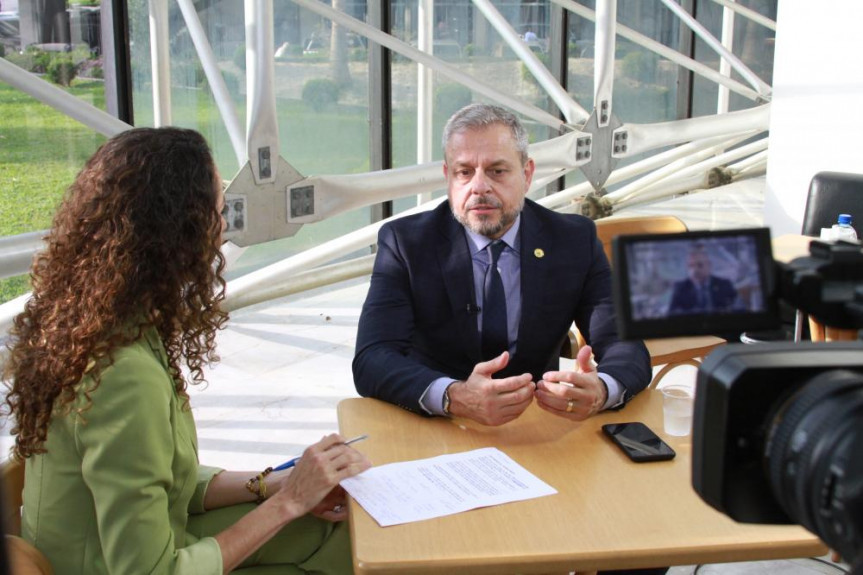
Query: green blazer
x: 115, y: 489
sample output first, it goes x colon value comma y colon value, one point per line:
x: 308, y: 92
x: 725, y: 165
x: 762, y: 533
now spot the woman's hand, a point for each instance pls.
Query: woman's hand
x: 311, y: 486
x: 333, y: 507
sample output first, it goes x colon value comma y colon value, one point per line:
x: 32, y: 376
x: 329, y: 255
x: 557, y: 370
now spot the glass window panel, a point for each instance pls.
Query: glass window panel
x: 405, y: 97
x: 645, y: 84
x: 192, y: 103
x: 321, y: 88
x: 49, y: 150
x: 323, y: 107
x: 41, y: 150
x: 704, y: 92
x: 753, y: 44
x: 464, y: 38
x: 580, y: 48
x: 580, y: 57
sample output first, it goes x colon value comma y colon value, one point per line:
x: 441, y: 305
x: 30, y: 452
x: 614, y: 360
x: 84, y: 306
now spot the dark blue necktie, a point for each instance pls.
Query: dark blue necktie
x: 702, y: 299
x: 495, y: 339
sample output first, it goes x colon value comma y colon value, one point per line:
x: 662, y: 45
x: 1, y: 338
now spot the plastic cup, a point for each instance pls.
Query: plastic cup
x: 677, y: 402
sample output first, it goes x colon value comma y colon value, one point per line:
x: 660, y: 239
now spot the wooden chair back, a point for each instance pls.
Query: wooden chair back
x: 831, y: 194
x: 24, y: 558
x: 12, y: 473
x: 609, y: 228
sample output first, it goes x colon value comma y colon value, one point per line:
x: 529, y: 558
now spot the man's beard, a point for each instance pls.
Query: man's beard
x: 486, y: 226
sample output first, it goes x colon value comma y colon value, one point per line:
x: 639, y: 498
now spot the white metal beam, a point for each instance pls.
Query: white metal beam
x: 564, y: 197
x: 760, y: 85
x: 160, y: 62
x: 683, y: 167
x: 216, y: 81
x: 646, y: 137
x: 603, y: 64
x: 262, y: 123
x: 60, y: 100
x: 571, y: 110
x: 341, y: 193
x: 724, y: 95
x: 665, y: 52
x: 16, y: 252
x: 691, y: 177
x: 748, y: 13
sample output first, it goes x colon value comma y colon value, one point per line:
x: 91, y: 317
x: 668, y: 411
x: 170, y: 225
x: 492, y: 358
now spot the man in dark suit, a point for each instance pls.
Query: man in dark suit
x: 702, y: 292
x: 444, y: 332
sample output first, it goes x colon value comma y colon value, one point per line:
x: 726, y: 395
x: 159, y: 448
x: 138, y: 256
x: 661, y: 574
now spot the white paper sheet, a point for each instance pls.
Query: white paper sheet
x: 416, y: 490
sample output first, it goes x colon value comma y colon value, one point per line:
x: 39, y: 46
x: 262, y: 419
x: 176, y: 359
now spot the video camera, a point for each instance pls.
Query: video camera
x: 778, y: 427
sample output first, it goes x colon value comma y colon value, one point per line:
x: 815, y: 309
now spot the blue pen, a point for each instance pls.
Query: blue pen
x: 292, y: 462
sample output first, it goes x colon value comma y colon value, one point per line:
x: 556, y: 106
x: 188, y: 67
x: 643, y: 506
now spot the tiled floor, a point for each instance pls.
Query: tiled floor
x: 286, y: 364
x: 789, y: 567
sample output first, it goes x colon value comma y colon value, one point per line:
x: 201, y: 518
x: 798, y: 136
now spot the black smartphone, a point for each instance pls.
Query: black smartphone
x: 638, y: 442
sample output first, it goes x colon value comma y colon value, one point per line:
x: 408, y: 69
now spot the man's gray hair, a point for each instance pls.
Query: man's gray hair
x: 481, y: 115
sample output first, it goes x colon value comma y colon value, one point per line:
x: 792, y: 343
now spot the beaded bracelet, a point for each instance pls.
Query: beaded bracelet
x: 257, y: 486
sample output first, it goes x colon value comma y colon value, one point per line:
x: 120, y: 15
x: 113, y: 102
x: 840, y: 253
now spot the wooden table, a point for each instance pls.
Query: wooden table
x: 789, y: 246
x: 609, y: 513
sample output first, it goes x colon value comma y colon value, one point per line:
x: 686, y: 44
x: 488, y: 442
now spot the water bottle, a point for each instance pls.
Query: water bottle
x: 843, y: 230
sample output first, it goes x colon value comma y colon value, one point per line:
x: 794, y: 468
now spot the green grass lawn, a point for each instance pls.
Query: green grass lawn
x: 41, y: 150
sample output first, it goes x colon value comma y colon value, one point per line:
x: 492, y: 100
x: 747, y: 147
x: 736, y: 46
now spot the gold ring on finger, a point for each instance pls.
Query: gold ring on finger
x: 569, y: 405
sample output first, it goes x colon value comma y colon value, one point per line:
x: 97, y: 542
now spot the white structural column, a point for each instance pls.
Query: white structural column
x: 603, y: 67
x: 724, y: 65
x: 262, y: 123
x: 425, y: 99
x: 161, y: 62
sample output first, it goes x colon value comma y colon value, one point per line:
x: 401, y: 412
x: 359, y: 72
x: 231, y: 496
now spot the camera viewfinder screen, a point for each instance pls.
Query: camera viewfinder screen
x: 694, y: 283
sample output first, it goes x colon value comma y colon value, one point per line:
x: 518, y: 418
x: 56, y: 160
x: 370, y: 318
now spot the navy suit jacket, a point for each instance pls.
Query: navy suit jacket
x: 723, y: 297
x: 419, y: 322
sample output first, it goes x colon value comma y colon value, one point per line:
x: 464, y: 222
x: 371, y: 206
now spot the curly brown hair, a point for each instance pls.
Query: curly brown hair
x: 134, y: 244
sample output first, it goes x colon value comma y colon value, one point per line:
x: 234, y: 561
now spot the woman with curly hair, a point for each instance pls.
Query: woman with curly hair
x: 126, y: 293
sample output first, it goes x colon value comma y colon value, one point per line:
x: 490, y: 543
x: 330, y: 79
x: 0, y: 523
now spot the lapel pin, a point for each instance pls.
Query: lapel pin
x: 538, y: 253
